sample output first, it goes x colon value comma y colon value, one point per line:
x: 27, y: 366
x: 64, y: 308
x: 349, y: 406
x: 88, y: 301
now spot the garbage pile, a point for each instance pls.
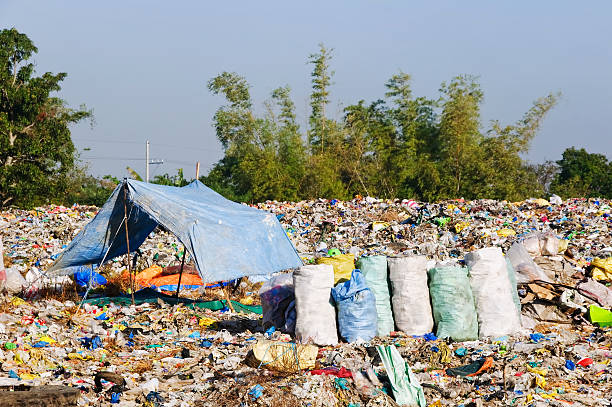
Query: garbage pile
x: 467, y: 303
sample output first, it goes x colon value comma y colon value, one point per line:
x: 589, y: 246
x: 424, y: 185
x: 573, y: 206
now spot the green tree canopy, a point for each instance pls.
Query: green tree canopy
x: 36, y: 151
x: 400, y: 146
x: 583, y: 174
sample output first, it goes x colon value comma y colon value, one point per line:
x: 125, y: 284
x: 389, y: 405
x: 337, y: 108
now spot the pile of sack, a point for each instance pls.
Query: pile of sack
x: 467, y: 300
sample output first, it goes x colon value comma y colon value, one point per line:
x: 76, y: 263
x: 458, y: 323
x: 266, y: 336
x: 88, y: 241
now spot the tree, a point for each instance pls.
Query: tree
x: 583, y: 174
x: 398, y: 147
x: 291, y: 150
x: 460, y: 135
x: 177, y: 180
x: 264, y: 156
x: 36, y: 150
x: 319, y: 98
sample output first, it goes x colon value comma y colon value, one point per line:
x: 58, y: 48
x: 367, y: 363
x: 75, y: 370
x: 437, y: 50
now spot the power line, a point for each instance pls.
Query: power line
x: 112, y: 158
x: 105, y: 141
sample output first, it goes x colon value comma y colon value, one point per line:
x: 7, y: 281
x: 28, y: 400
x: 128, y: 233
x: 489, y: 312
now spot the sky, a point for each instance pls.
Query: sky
x: 142, y: 66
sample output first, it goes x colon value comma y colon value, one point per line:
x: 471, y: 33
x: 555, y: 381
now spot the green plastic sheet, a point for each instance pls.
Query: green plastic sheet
x: 148, y: 295
x: 406, y: 387
x: 453, y: 305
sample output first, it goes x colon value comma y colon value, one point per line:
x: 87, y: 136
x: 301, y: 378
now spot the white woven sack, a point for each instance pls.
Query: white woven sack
x: 491, y: 286
x: 411, y: 305
x: 316, y: 315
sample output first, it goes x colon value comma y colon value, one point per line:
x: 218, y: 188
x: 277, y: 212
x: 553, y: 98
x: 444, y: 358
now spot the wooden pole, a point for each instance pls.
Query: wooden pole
x: 127, y: 238
x: 178, y: 287
x: 197, y: 170
x: 227, y: 298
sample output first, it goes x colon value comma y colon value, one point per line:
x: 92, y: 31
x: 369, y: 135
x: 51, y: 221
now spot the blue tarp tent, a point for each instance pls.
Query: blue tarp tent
x: 226, y: 240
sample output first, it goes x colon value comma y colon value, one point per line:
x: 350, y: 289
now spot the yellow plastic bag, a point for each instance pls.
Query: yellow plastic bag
x: 505, y: 232
x: 602, y: 269
x: 460, y: 226
x: 343, y: 265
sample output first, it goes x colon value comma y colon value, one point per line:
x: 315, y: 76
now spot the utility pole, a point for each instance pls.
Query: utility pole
x: 147, y: 161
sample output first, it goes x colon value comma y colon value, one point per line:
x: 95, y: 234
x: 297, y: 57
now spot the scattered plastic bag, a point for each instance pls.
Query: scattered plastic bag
x: 452, y: 301
x: 598, y: 291
x: 343, y: 264
x: 374, y: 269
x: 316, y: 315
x: 84, y: 274
x: 602, y: 269
x: 555, y: 200
x: 356, y: 309
x: 492, y: 291
x: 407, y: 390
x: 549, y: 244
x: 14, y: 281
x: 411, y: 304
x: 524, y: 266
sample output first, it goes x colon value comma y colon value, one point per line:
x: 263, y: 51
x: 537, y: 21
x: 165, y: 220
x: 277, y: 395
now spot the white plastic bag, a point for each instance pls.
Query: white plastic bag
x: 549, y: 244
x: 36, y: 280
x: 555, y: 200
x: 531, y: 243
x: 492, y: 290
x: 524, y: 266
x: 316, y: 315
x: 411, y: 305
x: 541, y: 244
x: 14, y: 282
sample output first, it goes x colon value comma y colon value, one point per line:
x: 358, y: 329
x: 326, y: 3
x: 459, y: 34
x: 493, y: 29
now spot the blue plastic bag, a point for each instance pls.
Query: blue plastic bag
x: 85, y: 273
x: 356, y: 306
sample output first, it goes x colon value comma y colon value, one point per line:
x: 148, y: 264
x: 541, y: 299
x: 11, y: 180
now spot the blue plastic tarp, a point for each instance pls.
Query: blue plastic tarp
x: 226, y: 240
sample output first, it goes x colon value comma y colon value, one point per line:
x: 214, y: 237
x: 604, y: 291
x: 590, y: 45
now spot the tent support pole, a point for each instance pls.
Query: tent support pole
x: 127, y: 240
x: 178, y: 287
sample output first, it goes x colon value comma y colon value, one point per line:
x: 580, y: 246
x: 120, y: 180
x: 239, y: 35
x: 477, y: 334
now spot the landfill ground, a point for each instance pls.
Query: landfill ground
x: 162, y: 353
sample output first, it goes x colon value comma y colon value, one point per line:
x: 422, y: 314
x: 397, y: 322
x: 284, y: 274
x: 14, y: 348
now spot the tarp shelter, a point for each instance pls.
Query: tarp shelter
x: 226, y: 240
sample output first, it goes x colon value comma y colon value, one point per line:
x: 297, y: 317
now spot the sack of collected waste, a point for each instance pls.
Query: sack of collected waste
x: 374, y: 269
x: 316, y: 315
x: 276, y: 296
x: 525, y: 268
x: 492, y: 291
x: 356, y: 309
x: 452, y: 301
x: 411, y: 305
x: 343, y: 265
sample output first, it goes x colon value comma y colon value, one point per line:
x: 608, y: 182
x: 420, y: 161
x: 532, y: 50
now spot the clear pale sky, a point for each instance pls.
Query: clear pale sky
x: 142, y: 66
